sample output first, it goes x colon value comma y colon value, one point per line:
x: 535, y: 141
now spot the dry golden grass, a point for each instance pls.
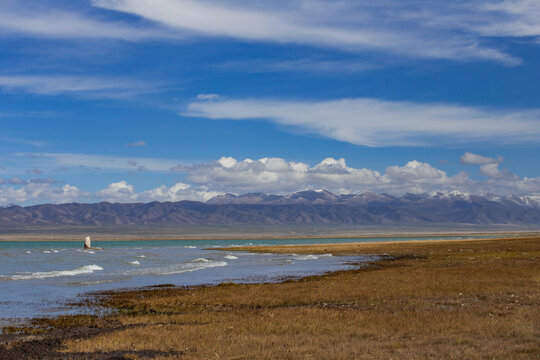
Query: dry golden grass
x: 451, y: 300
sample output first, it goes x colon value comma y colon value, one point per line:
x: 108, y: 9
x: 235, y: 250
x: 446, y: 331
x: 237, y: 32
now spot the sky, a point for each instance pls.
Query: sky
x: 166, y: 100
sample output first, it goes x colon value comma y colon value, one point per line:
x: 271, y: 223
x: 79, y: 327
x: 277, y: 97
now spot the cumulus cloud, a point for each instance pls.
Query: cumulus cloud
x: 373, y: 122
x: 177, y: 192
x: 489, y: 167
x: 123, y: 192
x: 35, y: 193
x: 492, y: 170
x: 278, y: 176
x: 474, y: 159
x: 117, y: 192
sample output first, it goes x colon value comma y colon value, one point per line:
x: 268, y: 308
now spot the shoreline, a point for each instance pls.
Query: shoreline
x: 112, y: 238
x: 317, y: 248
x: 419, y: 304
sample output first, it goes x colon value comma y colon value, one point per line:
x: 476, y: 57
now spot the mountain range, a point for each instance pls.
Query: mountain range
x: 305, y: 207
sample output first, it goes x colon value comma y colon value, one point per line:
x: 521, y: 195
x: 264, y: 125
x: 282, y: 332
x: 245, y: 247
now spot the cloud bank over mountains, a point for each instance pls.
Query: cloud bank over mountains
x: 202, y: 181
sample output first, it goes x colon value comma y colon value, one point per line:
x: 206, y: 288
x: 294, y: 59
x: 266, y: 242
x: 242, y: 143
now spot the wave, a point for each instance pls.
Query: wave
x: 231, y: 257
x: 189, y: 247
x: 86, y: 269
x: 86, y: 251
x: 306, y: 257
x: 198, y: 260
x: 135, y: 262
x: 177, y: 268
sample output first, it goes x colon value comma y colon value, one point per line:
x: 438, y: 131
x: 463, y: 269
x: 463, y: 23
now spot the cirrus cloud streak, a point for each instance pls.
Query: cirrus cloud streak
x: 376, y: 123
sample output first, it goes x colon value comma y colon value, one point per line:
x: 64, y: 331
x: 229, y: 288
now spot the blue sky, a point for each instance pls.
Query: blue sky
x: 133, y: 100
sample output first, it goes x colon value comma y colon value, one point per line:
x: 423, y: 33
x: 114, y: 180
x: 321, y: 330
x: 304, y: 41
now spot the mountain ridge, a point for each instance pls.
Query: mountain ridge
x: 303, y: 207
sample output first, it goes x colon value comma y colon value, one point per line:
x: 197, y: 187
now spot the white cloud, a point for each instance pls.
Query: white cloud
x: 373, y: 122
x: 347, y: 25
x: 207, y: 97
x: 492, y: 170
x: 275, y: 175
x: 436, y: 29
x: 10, y: 139
x: 474, y: 159
x: 53, y: 161
x: 77, y: 85
x: 123, y: 192
x: 517, y: 18
x: 490, y: 167
x: 38, y: 20
x: 177, y: 192
x: 311, y: 66
x: 118, y: 192
x: 279, y: 176
x: 35, y: 193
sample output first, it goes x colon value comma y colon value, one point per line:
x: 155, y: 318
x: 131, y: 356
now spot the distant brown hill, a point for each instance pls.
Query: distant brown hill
x: 305, y: 207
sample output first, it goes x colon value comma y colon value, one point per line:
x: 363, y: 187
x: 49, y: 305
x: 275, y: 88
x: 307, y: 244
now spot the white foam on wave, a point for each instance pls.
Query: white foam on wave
x: 86, y: 269
x: 46, y: 252
x: 135, y: 262
x: 86, y: 251
x: 176, y: 268
x: 189, y: 247
x: 28, y: 252
x: 231, y: 257
x: 141, y: 256
x: 198, y: 260
x: 306, y: 257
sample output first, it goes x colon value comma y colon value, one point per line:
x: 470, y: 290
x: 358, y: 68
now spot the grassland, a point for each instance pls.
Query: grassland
x: 474, y: 299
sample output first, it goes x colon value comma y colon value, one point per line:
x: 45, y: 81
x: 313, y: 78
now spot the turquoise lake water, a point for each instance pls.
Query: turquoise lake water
x: 39, y: 278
